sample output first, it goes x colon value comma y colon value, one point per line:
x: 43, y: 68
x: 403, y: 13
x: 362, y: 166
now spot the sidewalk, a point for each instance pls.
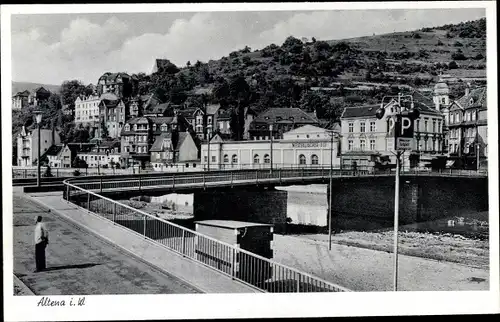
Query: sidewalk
x: 361, y: 269
x: 197, y: 275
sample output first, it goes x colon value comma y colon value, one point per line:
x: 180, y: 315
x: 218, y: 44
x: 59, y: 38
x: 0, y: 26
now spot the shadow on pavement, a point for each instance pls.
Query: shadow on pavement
x: 55, y: 268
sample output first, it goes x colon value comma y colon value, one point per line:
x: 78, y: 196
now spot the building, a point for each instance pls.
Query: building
x: 95, y: 159
x: 306, y: 146
x: 365, y: 139
x: 113, y: 113
x: 175, y: 147
x: 139, y: 134
x: 27, y: 145
x: 468, y: 127
x: 20, y: 100
x: 120, y: 84
x: 38, y: 95
x: 279, y: 121
x: 60, y: 156
x: 87, y: 110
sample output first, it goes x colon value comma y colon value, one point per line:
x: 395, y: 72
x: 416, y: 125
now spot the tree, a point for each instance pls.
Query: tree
x: 188, y: 64
x: 453, y: 65
x: 104, y: 130
x: 70, y: 90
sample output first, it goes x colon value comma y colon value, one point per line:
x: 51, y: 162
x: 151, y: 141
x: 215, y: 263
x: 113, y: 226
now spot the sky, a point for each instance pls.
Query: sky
x: 51, y: 48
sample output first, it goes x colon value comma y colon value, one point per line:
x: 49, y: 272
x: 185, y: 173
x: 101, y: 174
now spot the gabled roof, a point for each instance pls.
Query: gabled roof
x: 157, y: 109
x: 109, y: 97
x: 212, y: 109
x: 158, y: 143
x: 182, y: 137
x: 54, y: 150
x: 476, y: 98
x: 25, y: 93
x: 293, y: 114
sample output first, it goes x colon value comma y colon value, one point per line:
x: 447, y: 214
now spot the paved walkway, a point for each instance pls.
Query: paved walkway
x: 361, y: 269
x: 104, y: 267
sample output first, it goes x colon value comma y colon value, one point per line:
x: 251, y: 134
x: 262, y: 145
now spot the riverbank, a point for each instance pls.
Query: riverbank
x: 441, y: 247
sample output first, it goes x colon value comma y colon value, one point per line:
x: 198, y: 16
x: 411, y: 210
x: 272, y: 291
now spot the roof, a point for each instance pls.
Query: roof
x: 360, y: 111
x: 111, y: 77
x: 306, y: 129
x: 157, y: 109
x: 231, y: 224
x: 25, y: 93
x: 158, y: 143
x: 478, y: 97
x: 212, y: 109
x: 109, y: 97
x: 188, y: 112
x: 291, y: 114
x: 182, y: 137
x: 163, y: 119
x: 54, y: 150
x: 109, y: 144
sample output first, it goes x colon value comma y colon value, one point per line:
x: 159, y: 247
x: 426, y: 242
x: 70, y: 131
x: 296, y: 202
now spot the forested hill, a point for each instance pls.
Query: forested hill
x: 23, y: 86
x: 354, y: 71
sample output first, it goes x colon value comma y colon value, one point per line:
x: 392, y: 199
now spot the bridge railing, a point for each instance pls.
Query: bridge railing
x: 234, y: 262
x: 278, y: 176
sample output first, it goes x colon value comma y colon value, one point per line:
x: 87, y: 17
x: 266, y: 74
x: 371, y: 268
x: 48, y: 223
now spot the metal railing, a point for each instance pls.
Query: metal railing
x: 254, y: 177
x: 234, y: 262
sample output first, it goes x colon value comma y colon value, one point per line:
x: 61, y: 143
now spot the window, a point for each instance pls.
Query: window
x: 351, y: 127
x: 372, y: 145
x: 154, y: 127
x: 314, y: 159
x: 256, y: 159
x: 443, y: 100
x: 450, y: 148
x: 362, y: 145
x: 214, y: 158
x: 205, y: 158
x: 372, y: 126
x: 234, y: 159
x: 349, y: 145
x: 434, y: 126
x: 302, y: 159
x: 417, y: 126
x: 267, y: 159
x: 474, y: 115
x: 226, y: 158
x: 362, y: 127
x: 426, y: 126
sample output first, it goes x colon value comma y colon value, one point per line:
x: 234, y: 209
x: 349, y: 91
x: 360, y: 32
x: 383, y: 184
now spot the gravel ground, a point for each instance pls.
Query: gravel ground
x: 443, y: 247
x: 81, y: 263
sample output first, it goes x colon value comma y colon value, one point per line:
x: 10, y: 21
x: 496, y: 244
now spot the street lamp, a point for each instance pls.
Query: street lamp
x: 209, y: 128
x: 271, y: 138
x: 399, y: 127
x: 38, y: 118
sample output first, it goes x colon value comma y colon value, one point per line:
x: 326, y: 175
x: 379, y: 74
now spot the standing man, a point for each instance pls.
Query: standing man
x: 41, y: 241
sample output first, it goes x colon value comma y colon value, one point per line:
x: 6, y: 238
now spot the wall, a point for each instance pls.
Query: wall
x: 260, y: 206
x: 188, y: 150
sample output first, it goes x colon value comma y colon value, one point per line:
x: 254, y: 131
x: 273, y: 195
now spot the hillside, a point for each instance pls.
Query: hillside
x: 328, y: 75
x: 22, y: 86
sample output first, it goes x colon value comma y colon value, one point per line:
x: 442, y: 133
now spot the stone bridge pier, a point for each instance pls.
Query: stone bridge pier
x: 262, y: 205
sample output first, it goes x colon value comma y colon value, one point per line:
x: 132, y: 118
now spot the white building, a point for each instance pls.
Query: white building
x: 87, y: 110
x: 307, y: 146
x: 96, y: 159
x: 27, y: 145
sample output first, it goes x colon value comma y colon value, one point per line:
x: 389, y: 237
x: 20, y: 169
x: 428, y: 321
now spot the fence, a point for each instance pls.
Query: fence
x: 234, y: 262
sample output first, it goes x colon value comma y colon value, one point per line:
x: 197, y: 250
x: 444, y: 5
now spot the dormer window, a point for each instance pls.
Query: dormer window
x: 278, y: 118
x: 127, y: 127
x: 164, y: 127
x: 154, y: 127
x: 291, y: 118
x: 471, y: 101
x: 135, y: 127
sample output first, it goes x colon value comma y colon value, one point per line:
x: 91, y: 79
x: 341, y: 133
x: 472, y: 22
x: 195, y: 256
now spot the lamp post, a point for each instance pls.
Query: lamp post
x: 271, y: 143
x: 209, y: 128
x: 403, y: 130
x: 38, y: 118
x: 331, y: 133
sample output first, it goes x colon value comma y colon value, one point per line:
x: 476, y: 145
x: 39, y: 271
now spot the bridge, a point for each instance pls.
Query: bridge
x: 92, y: 194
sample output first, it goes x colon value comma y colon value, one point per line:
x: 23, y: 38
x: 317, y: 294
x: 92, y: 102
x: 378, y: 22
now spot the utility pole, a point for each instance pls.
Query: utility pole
x: 271, y: 142
x: 330, y: 206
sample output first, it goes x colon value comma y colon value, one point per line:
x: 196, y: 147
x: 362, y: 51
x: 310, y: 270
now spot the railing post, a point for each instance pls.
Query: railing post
x: 114, y: 213
x: 173, y: 180
x: 140, y: 183
x: 25, y: 173
x: 67, y: 193
x: 144, y: 224
x: 100, y: 184
x: 204, y: 184
x: 183, y: 243
x: 279, y: 175
x: 57, y: 172
x: 257, y: 176
x: 298, y: 283
x: 231, y: 178
x: 233, y: 264
x: 88, y: 201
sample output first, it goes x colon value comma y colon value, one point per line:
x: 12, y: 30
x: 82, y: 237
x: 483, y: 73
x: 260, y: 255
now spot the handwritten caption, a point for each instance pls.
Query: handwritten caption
x: 73, y: 301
